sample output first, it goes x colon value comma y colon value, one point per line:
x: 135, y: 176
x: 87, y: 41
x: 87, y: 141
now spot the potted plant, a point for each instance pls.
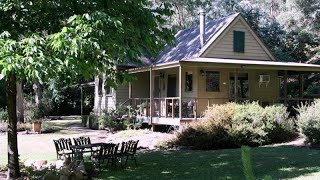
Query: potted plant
x: 34, y: 115
x: 36, y: 126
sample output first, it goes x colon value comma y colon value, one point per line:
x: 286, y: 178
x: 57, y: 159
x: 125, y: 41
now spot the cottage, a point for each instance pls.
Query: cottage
x: 217, y: 62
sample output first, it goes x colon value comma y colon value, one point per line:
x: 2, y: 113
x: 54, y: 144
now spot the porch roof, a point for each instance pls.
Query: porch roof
x: 253, y: 64
x: 233, y: 63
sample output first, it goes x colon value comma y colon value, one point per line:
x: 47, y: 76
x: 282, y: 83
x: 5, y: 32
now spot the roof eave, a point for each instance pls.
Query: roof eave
x: 251, y: 64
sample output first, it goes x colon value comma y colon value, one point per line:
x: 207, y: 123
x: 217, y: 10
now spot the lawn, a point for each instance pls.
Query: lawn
x: 40, y: 146
x: 282, y: 162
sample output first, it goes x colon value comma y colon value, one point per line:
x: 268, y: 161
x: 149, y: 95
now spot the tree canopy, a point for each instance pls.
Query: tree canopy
x: 41, y: 39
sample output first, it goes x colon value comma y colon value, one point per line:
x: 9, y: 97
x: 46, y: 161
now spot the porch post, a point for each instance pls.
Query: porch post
x: 301, y: 85
x: 130, y: 94
x: 180, y: 92
x: 235, y: 85
x: 151, y: 95
x: 130, y: 90
x: 81, y: 99
x: 285, y: 86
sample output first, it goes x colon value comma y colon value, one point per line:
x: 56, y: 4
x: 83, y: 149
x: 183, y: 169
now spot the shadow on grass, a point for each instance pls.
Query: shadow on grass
x: 280, y: 162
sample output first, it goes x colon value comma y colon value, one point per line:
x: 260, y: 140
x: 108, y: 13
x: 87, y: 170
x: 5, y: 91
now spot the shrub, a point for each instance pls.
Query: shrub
x: 219, y: 114
x: 47, y: 128
x: 118, y: 119
x: 197, y: 137
x: 211, y: 133
x: 24, y: 126
x: 232, y: 125
x: 247, y: 124
x: 3, y: 115
x: 309, y: 121
x: 3, y: 127
x: 32, y: 112
x: 278, y: 126
x: 20, y: 127
x: 84, y: 120
x: 93, y: 121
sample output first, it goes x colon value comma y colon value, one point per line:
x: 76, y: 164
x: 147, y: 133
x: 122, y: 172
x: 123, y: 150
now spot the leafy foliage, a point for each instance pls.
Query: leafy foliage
x: 120, y: 118
x: 40, y: 40
x: 3, y: 115
x: 232, y: 125
x: 309, y: 121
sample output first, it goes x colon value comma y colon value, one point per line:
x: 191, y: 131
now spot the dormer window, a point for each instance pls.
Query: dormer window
x: 238, y: 41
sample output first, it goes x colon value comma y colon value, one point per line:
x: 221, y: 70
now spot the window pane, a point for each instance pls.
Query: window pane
x: 108, y: 90
x: 188, y: 82
x: 242, y: 85
x: 212, y: 80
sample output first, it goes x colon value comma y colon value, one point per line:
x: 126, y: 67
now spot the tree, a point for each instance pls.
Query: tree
x: 311, y: 23
x: 76, y: 38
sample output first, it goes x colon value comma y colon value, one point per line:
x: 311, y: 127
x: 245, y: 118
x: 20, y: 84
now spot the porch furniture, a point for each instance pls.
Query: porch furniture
x: 63, y: 147
x: 107, y: 151
x: 128, y: 150
x: 79, y: 149
x: 83, y: 141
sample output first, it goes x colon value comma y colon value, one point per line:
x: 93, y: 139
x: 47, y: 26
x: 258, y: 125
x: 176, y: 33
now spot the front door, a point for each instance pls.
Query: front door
x: 172, y: 84
x: 242, y: 81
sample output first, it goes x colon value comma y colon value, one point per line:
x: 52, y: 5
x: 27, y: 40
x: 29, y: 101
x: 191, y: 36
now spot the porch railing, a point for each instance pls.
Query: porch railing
x: 193, y: 107
x: 169, y: 107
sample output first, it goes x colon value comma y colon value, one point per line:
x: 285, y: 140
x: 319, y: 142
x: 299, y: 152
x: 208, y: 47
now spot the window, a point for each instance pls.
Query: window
x: 108, y: 90
x: 238, y: 41
x: 188, y: 82
x: 100, y: 84
x: 212, y: 81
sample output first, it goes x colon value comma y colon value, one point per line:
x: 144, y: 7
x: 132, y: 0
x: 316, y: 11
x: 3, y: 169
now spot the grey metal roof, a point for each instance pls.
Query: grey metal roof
x: 187, y: 42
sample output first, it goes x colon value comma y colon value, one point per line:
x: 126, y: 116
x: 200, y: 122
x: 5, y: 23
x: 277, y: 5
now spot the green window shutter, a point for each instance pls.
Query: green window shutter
x: 238, y: 41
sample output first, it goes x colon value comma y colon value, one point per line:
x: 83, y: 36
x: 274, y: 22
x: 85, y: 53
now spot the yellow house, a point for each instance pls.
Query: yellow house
x: 217, y: 62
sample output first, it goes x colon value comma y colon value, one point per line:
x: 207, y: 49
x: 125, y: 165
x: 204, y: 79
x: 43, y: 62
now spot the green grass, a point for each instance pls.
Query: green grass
x: 40, y: 146
x: 279, y: 162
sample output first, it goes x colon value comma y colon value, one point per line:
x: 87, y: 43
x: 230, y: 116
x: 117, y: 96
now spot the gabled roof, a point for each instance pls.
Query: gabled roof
x: 187, y: 43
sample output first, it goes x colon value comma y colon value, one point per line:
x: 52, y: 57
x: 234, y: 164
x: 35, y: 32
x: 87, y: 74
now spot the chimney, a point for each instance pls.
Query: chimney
x: 202, y: 26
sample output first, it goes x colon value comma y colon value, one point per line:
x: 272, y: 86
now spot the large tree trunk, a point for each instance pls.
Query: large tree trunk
x: 13, y: 156
x: 20, y: 108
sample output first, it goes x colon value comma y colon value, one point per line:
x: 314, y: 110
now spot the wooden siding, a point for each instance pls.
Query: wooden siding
x: 223, y: 48
x: 194, y: 71
x: 122, y: 94
x: 262, y: 93
x: 104, y: 101
x: 220, y: 96
x: 141, y: 86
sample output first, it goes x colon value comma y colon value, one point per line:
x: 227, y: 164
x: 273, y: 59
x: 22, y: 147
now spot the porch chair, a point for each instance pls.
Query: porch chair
x: 128, y: 150
x: 106, y: 152
x: 83, y: 141
x: 62, y: 146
